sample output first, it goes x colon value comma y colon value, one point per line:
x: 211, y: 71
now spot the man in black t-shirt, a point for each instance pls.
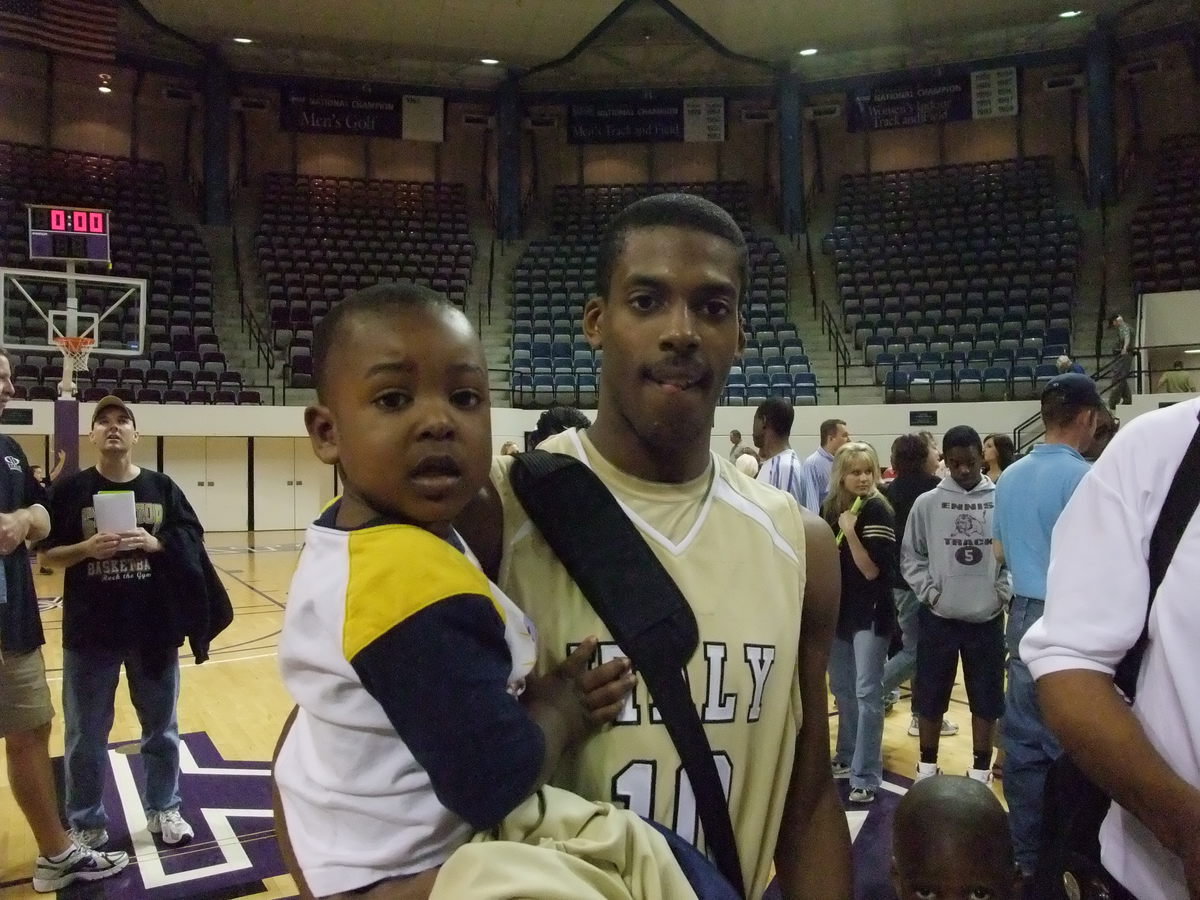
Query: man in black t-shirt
x: 25, y: 708
x: 115, y: 613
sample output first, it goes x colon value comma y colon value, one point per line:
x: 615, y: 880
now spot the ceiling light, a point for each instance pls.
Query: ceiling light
x: 488, y: 61
x: 243, y: 40
x: 1070, y: 13
x: 811, y: 51
x: 1193, y: 351
x: 104, y: 88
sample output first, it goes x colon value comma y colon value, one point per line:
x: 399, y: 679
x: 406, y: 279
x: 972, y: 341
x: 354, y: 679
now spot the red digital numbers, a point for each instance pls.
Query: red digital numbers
x: 80, y: 221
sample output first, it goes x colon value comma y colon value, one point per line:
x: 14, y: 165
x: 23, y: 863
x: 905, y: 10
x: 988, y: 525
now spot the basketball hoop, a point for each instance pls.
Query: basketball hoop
x: 75, y: 350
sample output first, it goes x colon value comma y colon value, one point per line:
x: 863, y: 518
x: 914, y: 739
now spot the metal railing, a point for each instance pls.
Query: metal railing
x: 832, y: 328
x: 257, y: 338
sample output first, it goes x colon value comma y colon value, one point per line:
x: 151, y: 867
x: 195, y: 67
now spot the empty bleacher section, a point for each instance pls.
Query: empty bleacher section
x: 956, y: 282
x: 1165, y: 234
x: 552, y: 362
x: 322, y: 238
x: 182, y: 361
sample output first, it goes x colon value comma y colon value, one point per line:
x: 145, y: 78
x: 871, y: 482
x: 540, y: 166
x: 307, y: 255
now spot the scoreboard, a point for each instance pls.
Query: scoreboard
x: 68, y: 233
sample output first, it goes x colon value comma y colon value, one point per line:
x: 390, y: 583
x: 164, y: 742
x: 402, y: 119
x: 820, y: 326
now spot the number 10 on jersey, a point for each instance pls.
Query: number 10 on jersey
x: 634, y: 786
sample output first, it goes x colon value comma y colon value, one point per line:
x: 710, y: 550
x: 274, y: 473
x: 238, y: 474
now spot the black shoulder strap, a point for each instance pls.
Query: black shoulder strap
x: 641, y: 606
x: 1181, y: 503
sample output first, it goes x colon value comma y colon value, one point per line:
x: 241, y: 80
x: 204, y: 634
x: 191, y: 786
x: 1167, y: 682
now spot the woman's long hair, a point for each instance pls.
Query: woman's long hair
x: 1006, y: 451
x: 848, y: 456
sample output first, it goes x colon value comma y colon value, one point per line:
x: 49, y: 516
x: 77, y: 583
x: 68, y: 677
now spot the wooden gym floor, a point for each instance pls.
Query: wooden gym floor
x: 238, y: 699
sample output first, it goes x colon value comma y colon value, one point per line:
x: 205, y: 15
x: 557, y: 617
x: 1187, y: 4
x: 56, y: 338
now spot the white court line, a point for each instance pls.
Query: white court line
x: 149, y: 862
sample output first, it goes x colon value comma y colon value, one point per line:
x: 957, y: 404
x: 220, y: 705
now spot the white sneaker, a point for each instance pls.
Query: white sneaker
x: 949, y: 729
x: 862, y: 795
x: 92, y: 838
x: 984, y: 775
x: 926, y: 770
x: 840, y: 770
x: 77, y: 864
x: 171, y: 825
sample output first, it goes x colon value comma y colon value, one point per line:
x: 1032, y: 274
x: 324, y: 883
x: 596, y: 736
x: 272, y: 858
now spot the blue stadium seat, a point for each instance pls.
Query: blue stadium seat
x: 920, y: 386
x: 1023, y: 383
x: 895, y: 387
x: 995, y: 383
x: 942, y: 389
x: 970, y: 384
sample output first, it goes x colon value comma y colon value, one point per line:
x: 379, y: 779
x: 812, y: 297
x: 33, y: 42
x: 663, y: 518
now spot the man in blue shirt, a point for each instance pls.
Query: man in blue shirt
x: 1029, y: 499
x: 814, y: 484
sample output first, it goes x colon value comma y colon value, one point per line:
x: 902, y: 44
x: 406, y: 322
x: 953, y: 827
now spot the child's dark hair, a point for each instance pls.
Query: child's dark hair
x: 379, y: 299
x: 671, y: 211
x: 961, y: 436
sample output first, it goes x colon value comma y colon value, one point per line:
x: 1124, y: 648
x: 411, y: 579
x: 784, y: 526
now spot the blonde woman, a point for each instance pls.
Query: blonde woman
x: 867, y: 544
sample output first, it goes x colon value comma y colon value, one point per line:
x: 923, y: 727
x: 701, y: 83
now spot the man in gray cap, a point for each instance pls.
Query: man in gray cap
x: 117, y: 614
x: 1029, y: 499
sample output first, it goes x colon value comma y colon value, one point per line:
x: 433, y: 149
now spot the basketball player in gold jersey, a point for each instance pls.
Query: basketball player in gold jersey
x: 670, y: 275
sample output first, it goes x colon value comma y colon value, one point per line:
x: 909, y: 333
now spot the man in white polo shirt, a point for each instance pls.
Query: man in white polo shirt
x: 1146, y: 756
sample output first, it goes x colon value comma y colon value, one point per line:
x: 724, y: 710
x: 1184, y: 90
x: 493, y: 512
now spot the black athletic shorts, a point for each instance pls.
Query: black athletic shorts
x: 940, y: 642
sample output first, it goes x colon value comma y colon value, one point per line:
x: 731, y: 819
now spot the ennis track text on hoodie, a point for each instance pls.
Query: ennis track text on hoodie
x: 947, y: 556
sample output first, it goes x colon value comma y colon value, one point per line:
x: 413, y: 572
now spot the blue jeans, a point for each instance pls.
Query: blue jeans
x: 89, y: 691
x: 1029, y: 746
x: 855, y: 676
x: 903, y: 665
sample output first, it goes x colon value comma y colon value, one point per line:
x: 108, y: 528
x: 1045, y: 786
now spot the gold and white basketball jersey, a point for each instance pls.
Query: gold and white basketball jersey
x: 735, y: 547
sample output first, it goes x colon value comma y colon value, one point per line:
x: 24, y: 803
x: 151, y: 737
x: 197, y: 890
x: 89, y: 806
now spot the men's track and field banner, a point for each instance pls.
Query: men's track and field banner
x: 370, y: 111
x: 639, y: 119
x: 984, y: 94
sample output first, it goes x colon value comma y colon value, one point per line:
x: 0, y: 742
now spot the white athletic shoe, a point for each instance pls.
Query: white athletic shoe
x: 171, y: 825
x: 984, y: 775
x: 926, y: 770
x: 77, y: 864
x: 949, y: 729
x: 92, y: 838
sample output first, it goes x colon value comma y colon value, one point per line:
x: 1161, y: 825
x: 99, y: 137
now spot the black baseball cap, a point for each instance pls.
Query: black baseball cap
x: 109, y: 402
x: 1074, y: 389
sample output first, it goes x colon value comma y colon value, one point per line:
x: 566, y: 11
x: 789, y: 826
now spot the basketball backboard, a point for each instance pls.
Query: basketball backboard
x: 38, y: 306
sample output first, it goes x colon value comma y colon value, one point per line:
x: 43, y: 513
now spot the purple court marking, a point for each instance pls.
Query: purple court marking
x: 212, y: 791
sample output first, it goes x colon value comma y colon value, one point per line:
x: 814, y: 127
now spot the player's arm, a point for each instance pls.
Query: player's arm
x: 998, y: 547
x: 812, y: 856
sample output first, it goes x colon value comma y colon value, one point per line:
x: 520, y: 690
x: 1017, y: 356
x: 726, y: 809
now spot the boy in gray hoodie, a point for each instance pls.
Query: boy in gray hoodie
x: 947, y: 559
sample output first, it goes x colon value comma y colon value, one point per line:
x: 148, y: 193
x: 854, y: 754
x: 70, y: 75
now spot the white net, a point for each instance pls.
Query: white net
x: 75, y: 351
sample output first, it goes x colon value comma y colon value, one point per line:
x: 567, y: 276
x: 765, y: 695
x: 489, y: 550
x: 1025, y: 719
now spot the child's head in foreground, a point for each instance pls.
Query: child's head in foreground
x: 950, y: 841
x: 402, y: 406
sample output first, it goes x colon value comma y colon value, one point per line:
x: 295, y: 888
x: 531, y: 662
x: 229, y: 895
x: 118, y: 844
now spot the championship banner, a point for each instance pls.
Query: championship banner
x: 638, y: 120
x: 983, y: 94
x: 374, y: 111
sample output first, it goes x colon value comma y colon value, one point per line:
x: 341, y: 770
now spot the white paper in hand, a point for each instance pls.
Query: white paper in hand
x: 114, y: 511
